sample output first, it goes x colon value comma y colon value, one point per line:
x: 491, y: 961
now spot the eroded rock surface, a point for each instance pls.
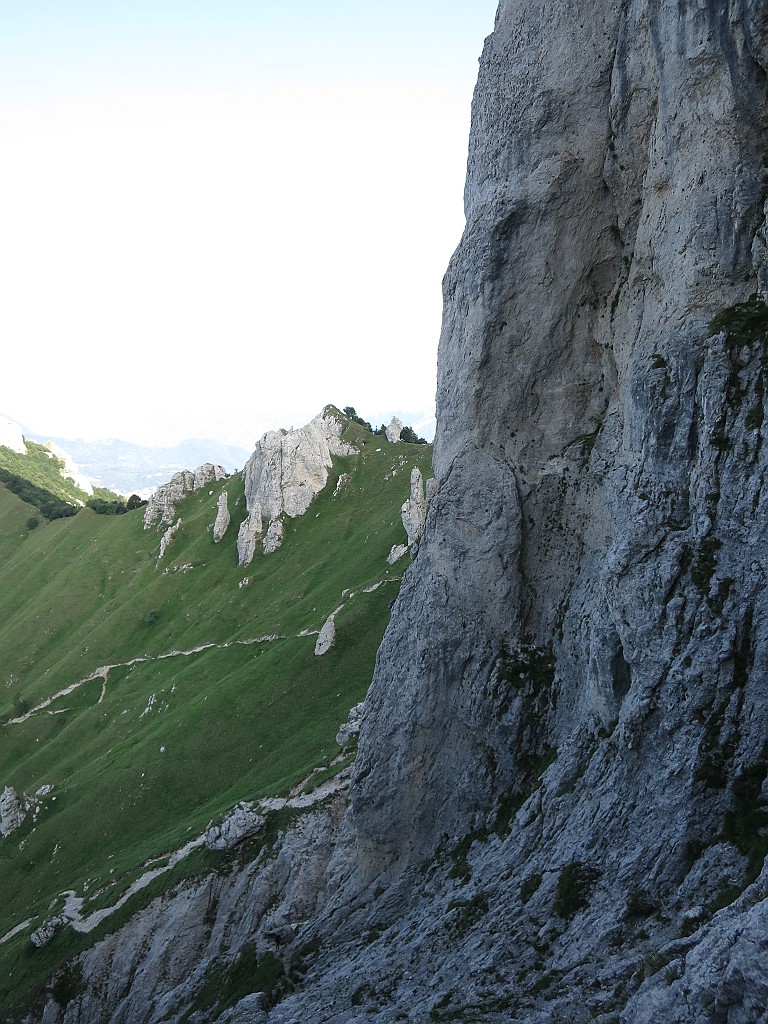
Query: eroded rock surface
x: 161, y: 507
x: 394, y: 430
x: 12, y: 811
x: 221, y: 525
x: 414, y: 510
x: 327, y: 634
x: 242, y: 823
x: 286, y: 471
x: 167, y: 539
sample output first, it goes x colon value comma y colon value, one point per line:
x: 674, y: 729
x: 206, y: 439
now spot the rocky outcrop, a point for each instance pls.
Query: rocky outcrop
x: 167, y: 538
x: 396, y: 552
x: 351, y: 728
x: 221, y: 524
x: 12, y: 811
x: 274, y: 536
x: 248, y: 535
x: 394, y: 430
x: 286, y: 471
x: 577, y: 662
x: 242, y: 823
x: 47, y: 931
x: 327, y: 634
x: 161, y: 507
x: 414, y: 510
x: 14, y: 807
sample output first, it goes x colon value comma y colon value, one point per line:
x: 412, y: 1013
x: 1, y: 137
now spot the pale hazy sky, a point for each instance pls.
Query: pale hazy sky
x: 216, y: 216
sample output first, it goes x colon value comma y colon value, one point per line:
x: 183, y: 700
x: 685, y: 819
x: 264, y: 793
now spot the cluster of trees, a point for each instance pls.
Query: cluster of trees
x: 407, y: 434
x: 49, y: 505
x: 114, y: 506
x: 52, y: 507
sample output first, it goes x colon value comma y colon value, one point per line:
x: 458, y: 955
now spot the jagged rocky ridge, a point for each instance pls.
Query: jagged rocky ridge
x: 287, y: 469
x: 558, y: 810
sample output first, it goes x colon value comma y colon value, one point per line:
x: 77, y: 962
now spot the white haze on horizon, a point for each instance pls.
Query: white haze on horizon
x: 217, y: 233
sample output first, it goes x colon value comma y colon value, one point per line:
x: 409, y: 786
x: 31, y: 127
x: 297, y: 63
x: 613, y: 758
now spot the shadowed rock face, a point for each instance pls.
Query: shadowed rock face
x: 558, y: 810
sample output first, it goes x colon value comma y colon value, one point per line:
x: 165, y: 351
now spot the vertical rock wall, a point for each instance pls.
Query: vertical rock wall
x: 587, y: 422
x: 584, y: 624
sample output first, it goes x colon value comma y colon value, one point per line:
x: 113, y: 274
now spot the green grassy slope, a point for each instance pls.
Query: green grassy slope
x: 45, y: 473
x: 199, y: 710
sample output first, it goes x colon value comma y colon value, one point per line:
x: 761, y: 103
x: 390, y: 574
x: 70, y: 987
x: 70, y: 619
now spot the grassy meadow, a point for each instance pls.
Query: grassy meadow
x: 151, y: 696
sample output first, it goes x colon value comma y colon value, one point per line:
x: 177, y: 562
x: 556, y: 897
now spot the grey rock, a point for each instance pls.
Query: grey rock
x: 414, y: 510
x: 341, y: 483
x: 12, y: 437
x: 161, y: 507
x: 289, y: 468
x: 167, y: 538
x: 396, y: 553
x: 248, y: 535
x: 12, y: 811
x: 274, y: 536
x: 47, y: 931
x: 248, y: 1011
x: 351, y: 727
x: 221, y: 524
x: 327, y: 634
x: 394, y: 430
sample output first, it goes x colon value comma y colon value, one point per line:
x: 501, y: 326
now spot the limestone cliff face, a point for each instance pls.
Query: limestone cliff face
x: 595, y: 445
x: 559, y: 806
x: 583, y: 629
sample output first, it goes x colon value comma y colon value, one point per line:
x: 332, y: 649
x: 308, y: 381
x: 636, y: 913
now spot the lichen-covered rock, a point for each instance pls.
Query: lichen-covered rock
x: 161, y: 506
x: 221, y: 524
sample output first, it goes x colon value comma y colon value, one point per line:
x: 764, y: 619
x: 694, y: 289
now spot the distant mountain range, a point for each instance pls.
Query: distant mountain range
x: 132, y: 469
